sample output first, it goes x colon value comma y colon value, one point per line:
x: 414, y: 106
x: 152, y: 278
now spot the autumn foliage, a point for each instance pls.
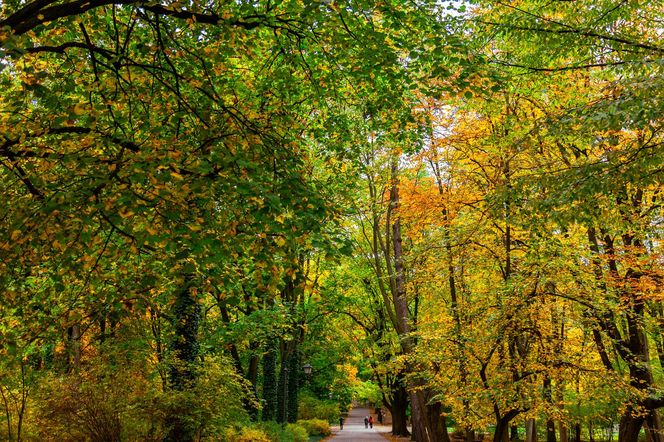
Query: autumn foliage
x: 450, y: 210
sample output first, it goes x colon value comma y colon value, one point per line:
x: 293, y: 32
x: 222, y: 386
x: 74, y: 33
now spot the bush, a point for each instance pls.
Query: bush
x: 299, y: 432
x: 253, y: 435
x: 72, y: 407
x: 311, y: 407
x: 114, y: 397
x: 268, y: 431
x: 246, y: 434
x: 316, y: 427
x: 274, y: 431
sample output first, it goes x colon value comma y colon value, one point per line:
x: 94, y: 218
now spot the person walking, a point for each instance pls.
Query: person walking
x: 353, y: 430
x: 370, y: 421
x: 366, y: 421
x: 341, y: 423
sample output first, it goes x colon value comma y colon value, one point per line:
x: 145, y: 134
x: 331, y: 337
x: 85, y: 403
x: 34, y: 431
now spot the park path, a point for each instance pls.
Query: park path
x: 354, y: 429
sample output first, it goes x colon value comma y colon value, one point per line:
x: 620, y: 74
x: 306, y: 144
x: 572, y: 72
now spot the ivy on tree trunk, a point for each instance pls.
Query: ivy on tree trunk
x: 270, y: 392
x: 185, y: 349
x: 293, y: 383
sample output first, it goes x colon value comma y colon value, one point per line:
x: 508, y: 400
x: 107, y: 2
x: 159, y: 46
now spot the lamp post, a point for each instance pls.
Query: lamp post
x: 307, y: 368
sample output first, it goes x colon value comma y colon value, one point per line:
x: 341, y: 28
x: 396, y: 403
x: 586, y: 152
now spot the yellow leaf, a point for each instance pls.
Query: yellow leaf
x: 79, y: 109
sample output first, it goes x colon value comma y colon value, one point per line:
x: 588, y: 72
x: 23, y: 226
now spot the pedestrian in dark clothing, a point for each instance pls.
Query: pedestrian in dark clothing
x: 366, y: 421
x: 380, y: 417
x: 341, y: 423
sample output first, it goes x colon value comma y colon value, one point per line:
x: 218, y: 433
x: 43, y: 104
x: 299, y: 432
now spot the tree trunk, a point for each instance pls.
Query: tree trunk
x: 270, y: 386
x: 437, y: 422
x: 502, y: 430
x: 454, y: 299
x: 400, y: 302
x: 74, y: 350
x: 252, y: 377
x: 560, y: 385
x: 658, y: 314
x: 418, y: 417
x: 294, y: 368
x: 24, y: 400
x: 503, y: 424
x: 531, y: 430
x: 182, y: 372
x: 426, y: 427
x: 431, y: 425
x: 282, y: 391
x: 640, y: 375
x: 564, y: 434
x: 653, y: 427
x: 398, y: 409
x: 428, y: 424
x: 548, y: 397
x: 630, y: 426
x: 632, y: 348
x: 550, y: 431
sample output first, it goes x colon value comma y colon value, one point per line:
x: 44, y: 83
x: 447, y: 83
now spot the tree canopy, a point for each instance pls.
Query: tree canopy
x: 452, y: 210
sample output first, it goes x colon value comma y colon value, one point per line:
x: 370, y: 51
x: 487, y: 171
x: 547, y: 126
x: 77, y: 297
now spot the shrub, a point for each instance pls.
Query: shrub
x: 246, y: 434
x: 217, y: 396
x: 278, y: 433
x: 115, y: 397
x: 316, y: 427
x: 275, y: 431
x: 75, y: 408
x: 299, y: 432
x: 312, y: 408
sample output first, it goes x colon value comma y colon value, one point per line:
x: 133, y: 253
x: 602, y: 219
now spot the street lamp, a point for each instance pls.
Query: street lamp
x: 307, y: 369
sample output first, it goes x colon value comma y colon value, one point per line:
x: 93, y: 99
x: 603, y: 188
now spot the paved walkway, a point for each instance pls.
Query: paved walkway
x: 354, y: 429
